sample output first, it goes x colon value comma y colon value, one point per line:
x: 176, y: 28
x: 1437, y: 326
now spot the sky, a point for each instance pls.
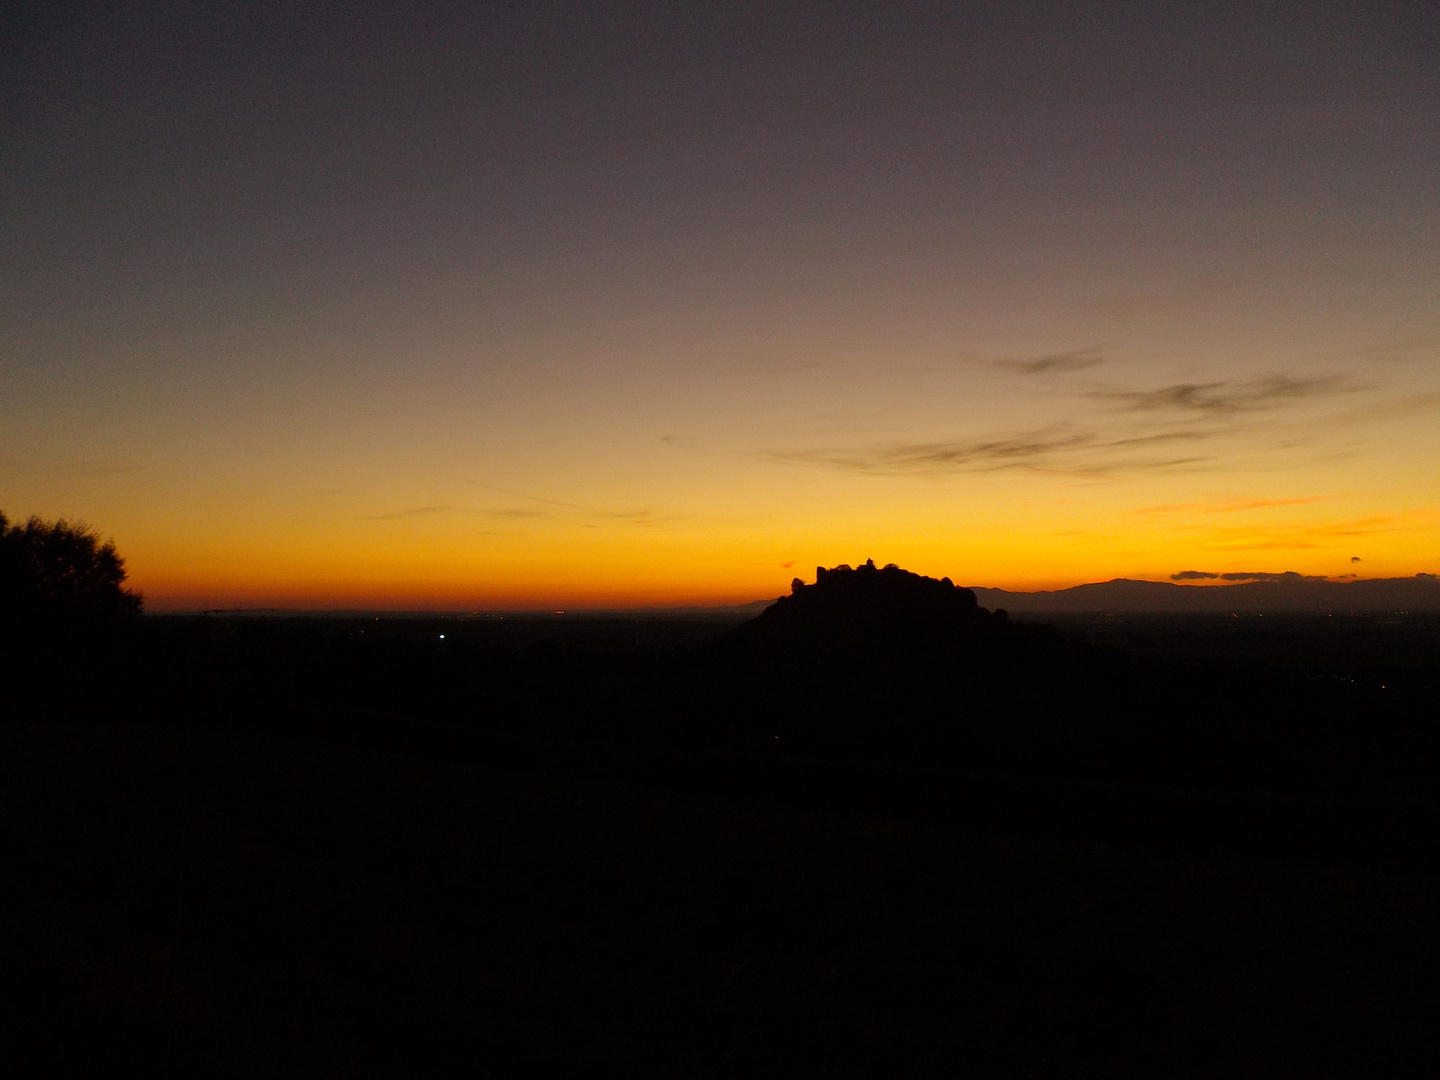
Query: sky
x: 489, y: 306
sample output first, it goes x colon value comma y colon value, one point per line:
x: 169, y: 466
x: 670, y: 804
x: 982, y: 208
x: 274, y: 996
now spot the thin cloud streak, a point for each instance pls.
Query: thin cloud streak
x: 1046, y: 450
x: 1055, y: 364
x: 419, y: 511
x: 1309, y: 536
x: 644, y: 517
x: 1227, y: 398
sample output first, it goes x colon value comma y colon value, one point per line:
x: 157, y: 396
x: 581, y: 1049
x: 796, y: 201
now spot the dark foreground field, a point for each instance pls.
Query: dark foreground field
x: 221, y: 904
x: 263, y: 876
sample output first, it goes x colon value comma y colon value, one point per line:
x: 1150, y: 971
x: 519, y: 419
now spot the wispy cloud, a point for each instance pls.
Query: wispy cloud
x: 1226, y: 398
x: 1055, y: 363
x: 419, y: 511
x: 1179, y: 426
x: 682, y: 442
x: 646, y: 518
x: 1056, y: 449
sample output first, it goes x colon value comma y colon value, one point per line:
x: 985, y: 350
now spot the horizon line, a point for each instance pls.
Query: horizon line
x: 720, y: 610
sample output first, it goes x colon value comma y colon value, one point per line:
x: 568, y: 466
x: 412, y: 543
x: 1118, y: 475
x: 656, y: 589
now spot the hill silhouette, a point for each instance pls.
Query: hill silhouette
x: 876, y: 660
x: 880, y: 613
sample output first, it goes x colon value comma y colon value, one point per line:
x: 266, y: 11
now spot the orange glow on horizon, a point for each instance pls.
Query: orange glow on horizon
x: 424, y: 565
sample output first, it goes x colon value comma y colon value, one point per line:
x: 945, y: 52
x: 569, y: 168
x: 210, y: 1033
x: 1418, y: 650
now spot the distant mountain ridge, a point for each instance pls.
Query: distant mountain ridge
x: 1418, y: 593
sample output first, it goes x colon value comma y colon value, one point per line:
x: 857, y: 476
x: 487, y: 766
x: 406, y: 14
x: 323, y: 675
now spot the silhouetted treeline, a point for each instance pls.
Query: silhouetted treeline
x: 58, y: 574
x: 67, y: 623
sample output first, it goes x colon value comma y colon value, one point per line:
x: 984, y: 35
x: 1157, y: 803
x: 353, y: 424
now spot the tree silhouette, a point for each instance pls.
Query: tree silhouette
x: 58, y: 571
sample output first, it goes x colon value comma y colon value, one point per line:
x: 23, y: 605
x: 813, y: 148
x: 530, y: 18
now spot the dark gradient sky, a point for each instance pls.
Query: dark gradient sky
x: 551, y: 303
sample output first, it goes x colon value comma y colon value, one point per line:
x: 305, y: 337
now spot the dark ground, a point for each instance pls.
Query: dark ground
x: 259, y: 847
